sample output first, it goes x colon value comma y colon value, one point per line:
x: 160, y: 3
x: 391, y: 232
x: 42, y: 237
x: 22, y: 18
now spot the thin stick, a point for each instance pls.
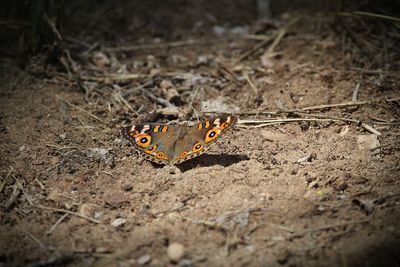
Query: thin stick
x: 282, y: 227
x: 34, y: 238
x: 2, y: 184
x: 27, y: 197
x: 338, y: 105
x: 253, y: 50
x: 263, y: 43
x: 327, y: 227
x: 133, y: 90
x: 69, y: 212
x: 355, y: 93
x: 159, y: 100
x: 320, y: 118
x: 368, y: 14
x: 53, y: 27
x: 370, y: 129
x: 127, y: 76
x: 57, y: 223
x: 348, y: 104
x: 362, y: 124
x: 5, y: 179
x: 242, y: 122
x: 152, y: 46
x: 258, y: 37
x: 12, y: 198
x: 277, y: 40
x: 251, y: 83
x: 378, y: 72
x: 282, y: 32
x: 39, y: 183
x: 80, y: 109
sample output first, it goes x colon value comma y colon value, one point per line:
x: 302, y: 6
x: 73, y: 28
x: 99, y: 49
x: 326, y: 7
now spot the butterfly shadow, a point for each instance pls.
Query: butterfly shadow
x: 207, y: 160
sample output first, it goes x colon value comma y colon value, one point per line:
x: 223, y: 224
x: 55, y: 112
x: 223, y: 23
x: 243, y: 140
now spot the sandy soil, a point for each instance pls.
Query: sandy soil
x: 320, y: 192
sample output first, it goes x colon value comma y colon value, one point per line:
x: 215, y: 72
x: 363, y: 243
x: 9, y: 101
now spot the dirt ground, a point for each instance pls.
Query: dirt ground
x: 318, y: 187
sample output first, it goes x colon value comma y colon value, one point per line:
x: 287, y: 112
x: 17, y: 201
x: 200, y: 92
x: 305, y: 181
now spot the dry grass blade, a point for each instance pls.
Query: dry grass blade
x: 80, y: 109
x: 128, y: 76
x: 319, y: 107
x: 159, y: 100
x: 267, y: 40
x: 251, y: 83
x: 69, y: 212
x: 358, y: 122
x: 328, y: 227
x: 153, y: 46
x: 368, y: 14
x: 34, y: 238
x: 57, y: 223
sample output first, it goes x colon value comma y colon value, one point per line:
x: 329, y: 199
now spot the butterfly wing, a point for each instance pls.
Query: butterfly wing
x: 153, y: 141
x: 197, y: 139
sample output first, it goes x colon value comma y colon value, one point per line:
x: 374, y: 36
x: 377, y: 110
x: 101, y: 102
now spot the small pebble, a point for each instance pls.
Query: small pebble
x: 143, y: 259
x: 175, y: 251
x: 118, y: 222
x: 185, y: 263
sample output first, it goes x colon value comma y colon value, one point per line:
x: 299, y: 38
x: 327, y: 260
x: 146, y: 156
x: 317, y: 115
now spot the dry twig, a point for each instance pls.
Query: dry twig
x: 69, y: 212
x: 34, y: 238
x: 80, y: 109
x: 57, y: 223
x: 319, y: 107
x: 328, y: 227
x: 153, y: 46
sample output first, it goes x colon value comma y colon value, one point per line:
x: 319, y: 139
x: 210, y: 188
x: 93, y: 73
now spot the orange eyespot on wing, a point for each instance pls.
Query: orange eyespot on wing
x: 212, y: 134
x: 143, y: 140
x: 161, y: 155
x: 151, y: 150
x: 197, y: 147
x: 182, y: 155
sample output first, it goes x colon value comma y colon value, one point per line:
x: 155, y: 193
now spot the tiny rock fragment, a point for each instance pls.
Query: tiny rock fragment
x: 98, y: 215
x: 313, y: 184
x: 185, y: 263
x: 174, y: 97
x: 97, y: 153
x: 283, y: 256
x: 102, y: 250
x: 100, y: 59
x: 142, y: 260
x: 166, y: 84
x: 86, y: 210
x: 170, y: 93
x: 127, y: 187
x: 366, y: 205
x: 266, y: 61
x: 169, y: 111
x: 175, y: 251
x: 368, y: 142
x: 118, y: 222
x: 115, y: 200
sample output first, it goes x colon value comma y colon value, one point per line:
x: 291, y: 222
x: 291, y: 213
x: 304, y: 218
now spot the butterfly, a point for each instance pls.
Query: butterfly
x: 173, y: 144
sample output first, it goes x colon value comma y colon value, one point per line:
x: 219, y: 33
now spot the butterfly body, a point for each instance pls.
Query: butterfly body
x: 173, y: 144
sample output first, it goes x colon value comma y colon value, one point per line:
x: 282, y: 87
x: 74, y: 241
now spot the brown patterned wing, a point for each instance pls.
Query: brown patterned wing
x: 197, y: 139
x: 155, y: 142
